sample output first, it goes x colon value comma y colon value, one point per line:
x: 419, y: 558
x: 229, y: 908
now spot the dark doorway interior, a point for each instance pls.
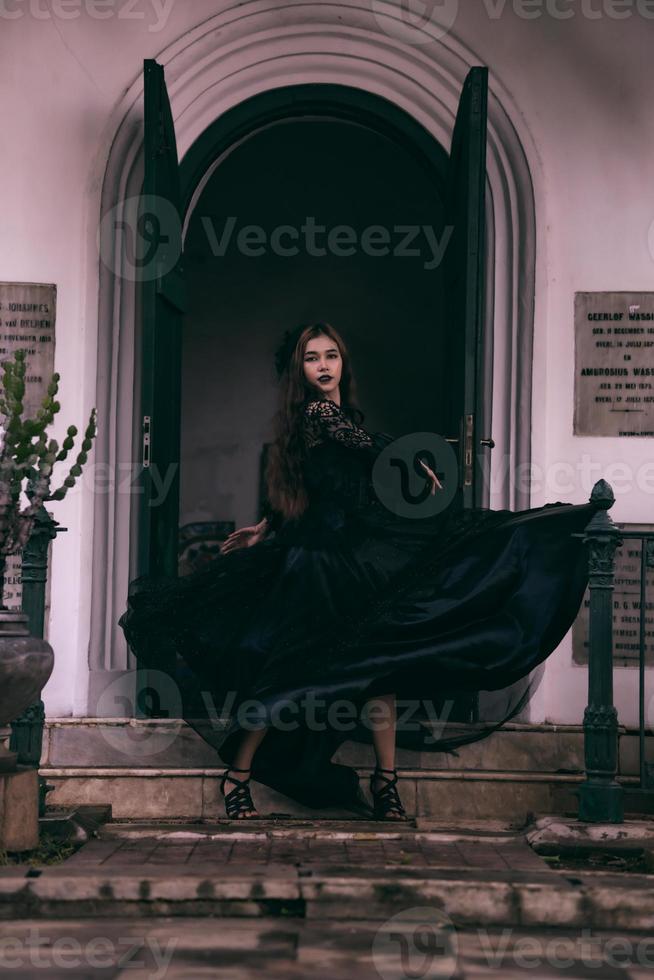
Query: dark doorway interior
x: 389, y: 307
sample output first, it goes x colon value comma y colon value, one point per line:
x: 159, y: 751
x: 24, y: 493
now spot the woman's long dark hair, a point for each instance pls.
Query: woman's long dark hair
x: 284, y: 478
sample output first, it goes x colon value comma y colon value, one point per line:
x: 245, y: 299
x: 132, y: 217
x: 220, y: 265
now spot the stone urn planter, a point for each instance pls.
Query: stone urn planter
x: 26, y: 663
x: 27, y: 458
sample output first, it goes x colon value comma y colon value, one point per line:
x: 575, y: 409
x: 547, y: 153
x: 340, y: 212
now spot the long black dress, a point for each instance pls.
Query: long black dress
x: 351, y: 600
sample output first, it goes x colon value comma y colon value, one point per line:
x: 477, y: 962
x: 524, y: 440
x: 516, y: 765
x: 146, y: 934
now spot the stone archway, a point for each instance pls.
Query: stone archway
x: 244, y: 51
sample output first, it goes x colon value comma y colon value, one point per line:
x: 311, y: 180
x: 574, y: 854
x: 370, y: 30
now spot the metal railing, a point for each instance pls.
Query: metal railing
x: 601, y: 796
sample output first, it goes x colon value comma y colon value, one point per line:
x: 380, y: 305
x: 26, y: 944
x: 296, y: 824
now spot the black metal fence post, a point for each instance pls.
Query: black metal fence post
x: 601, y: 796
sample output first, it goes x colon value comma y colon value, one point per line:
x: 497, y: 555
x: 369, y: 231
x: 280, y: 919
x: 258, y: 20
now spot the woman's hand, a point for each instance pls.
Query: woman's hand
x: 244, y: 537
x: 435, y: 482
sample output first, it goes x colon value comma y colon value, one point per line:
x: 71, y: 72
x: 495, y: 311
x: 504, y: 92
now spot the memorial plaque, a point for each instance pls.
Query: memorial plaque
x: 614, y: 364
x: 626, y: 607
x: 27, y: 321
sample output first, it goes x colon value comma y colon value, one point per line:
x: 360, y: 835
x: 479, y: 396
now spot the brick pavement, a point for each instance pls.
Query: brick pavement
x: 413, y: 849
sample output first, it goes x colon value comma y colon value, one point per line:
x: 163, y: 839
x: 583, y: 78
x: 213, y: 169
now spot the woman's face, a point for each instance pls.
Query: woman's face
x: 323, y: 365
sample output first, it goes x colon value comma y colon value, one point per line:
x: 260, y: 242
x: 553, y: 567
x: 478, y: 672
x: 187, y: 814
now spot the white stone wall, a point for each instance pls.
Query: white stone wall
x: 577, y: 90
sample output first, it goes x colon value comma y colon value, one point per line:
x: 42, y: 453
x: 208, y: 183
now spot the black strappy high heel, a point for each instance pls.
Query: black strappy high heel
x: 237, y: 800
x: 386, y: 800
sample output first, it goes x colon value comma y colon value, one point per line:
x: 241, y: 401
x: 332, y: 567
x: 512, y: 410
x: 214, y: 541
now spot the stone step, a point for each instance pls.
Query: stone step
x: 466, y: 878
x: 267, y: 948
x: 299, y: 830
x: 194, y: 794
x: 162, y: 743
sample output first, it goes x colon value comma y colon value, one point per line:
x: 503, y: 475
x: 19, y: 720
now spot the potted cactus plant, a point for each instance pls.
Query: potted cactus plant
x: 27, y: 459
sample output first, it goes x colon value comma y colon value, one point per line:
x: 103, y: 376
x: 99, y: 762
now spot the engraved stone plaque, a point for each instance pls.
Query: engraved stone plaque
x: 614, y: 364
x: 27, y: 321
x: 626, y: 607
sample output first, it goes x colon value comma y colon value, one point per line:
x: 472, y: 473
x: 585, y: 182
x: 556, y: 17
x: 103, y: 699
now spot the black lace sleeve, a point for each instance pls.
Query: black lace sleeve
x: 327, y: 418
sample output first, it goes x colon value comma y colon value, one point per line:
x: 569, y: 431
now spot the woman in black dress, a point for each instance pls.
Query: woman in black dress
x: 335, y: 601
x: 317, y: 396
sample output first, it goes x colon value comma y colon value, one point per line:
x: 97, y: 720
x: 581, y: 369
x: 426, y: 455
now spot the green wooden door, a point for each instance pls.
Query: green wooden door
x: 163, y: 306
x: 464, y: 277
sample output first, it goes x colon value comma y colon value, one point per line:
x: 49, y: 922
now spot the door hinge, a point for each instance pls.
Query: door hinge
x: 146, y: 440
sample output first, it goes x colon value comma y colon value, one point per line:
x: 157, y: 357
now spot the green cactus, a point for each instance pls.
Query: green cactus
x: 26, y: 454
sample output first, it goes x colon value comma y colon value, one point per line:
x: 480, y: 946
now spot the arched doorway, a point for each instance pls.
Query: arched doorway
x: 363, y: 190
x: 391, y: 179
x: 289, y: 155
x: 205, y: 86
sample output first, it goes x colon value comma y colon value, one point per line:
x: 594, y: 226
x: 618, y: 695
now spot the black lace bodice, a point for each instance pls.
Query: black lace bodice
x: 335, y: 477
x: 326, y: 420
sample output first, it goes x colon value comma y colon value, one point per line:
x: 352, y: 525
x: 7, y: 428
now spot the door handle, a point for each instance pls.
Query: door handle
x: 482, y: 442
x: 147, y: 433
x: 467, y: 456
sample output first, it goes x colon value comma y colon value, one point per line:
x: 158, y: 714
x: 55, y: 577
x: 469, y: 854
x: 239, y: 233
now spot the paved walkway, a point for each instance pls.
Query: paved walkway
x: 280, y: 949
x: 327, y: 900
x: 339, y: 847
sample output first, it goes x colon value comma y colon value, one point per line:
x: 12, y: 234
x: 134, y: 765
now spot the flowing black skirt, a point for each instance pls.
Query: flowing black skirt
x: 299, y: 631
